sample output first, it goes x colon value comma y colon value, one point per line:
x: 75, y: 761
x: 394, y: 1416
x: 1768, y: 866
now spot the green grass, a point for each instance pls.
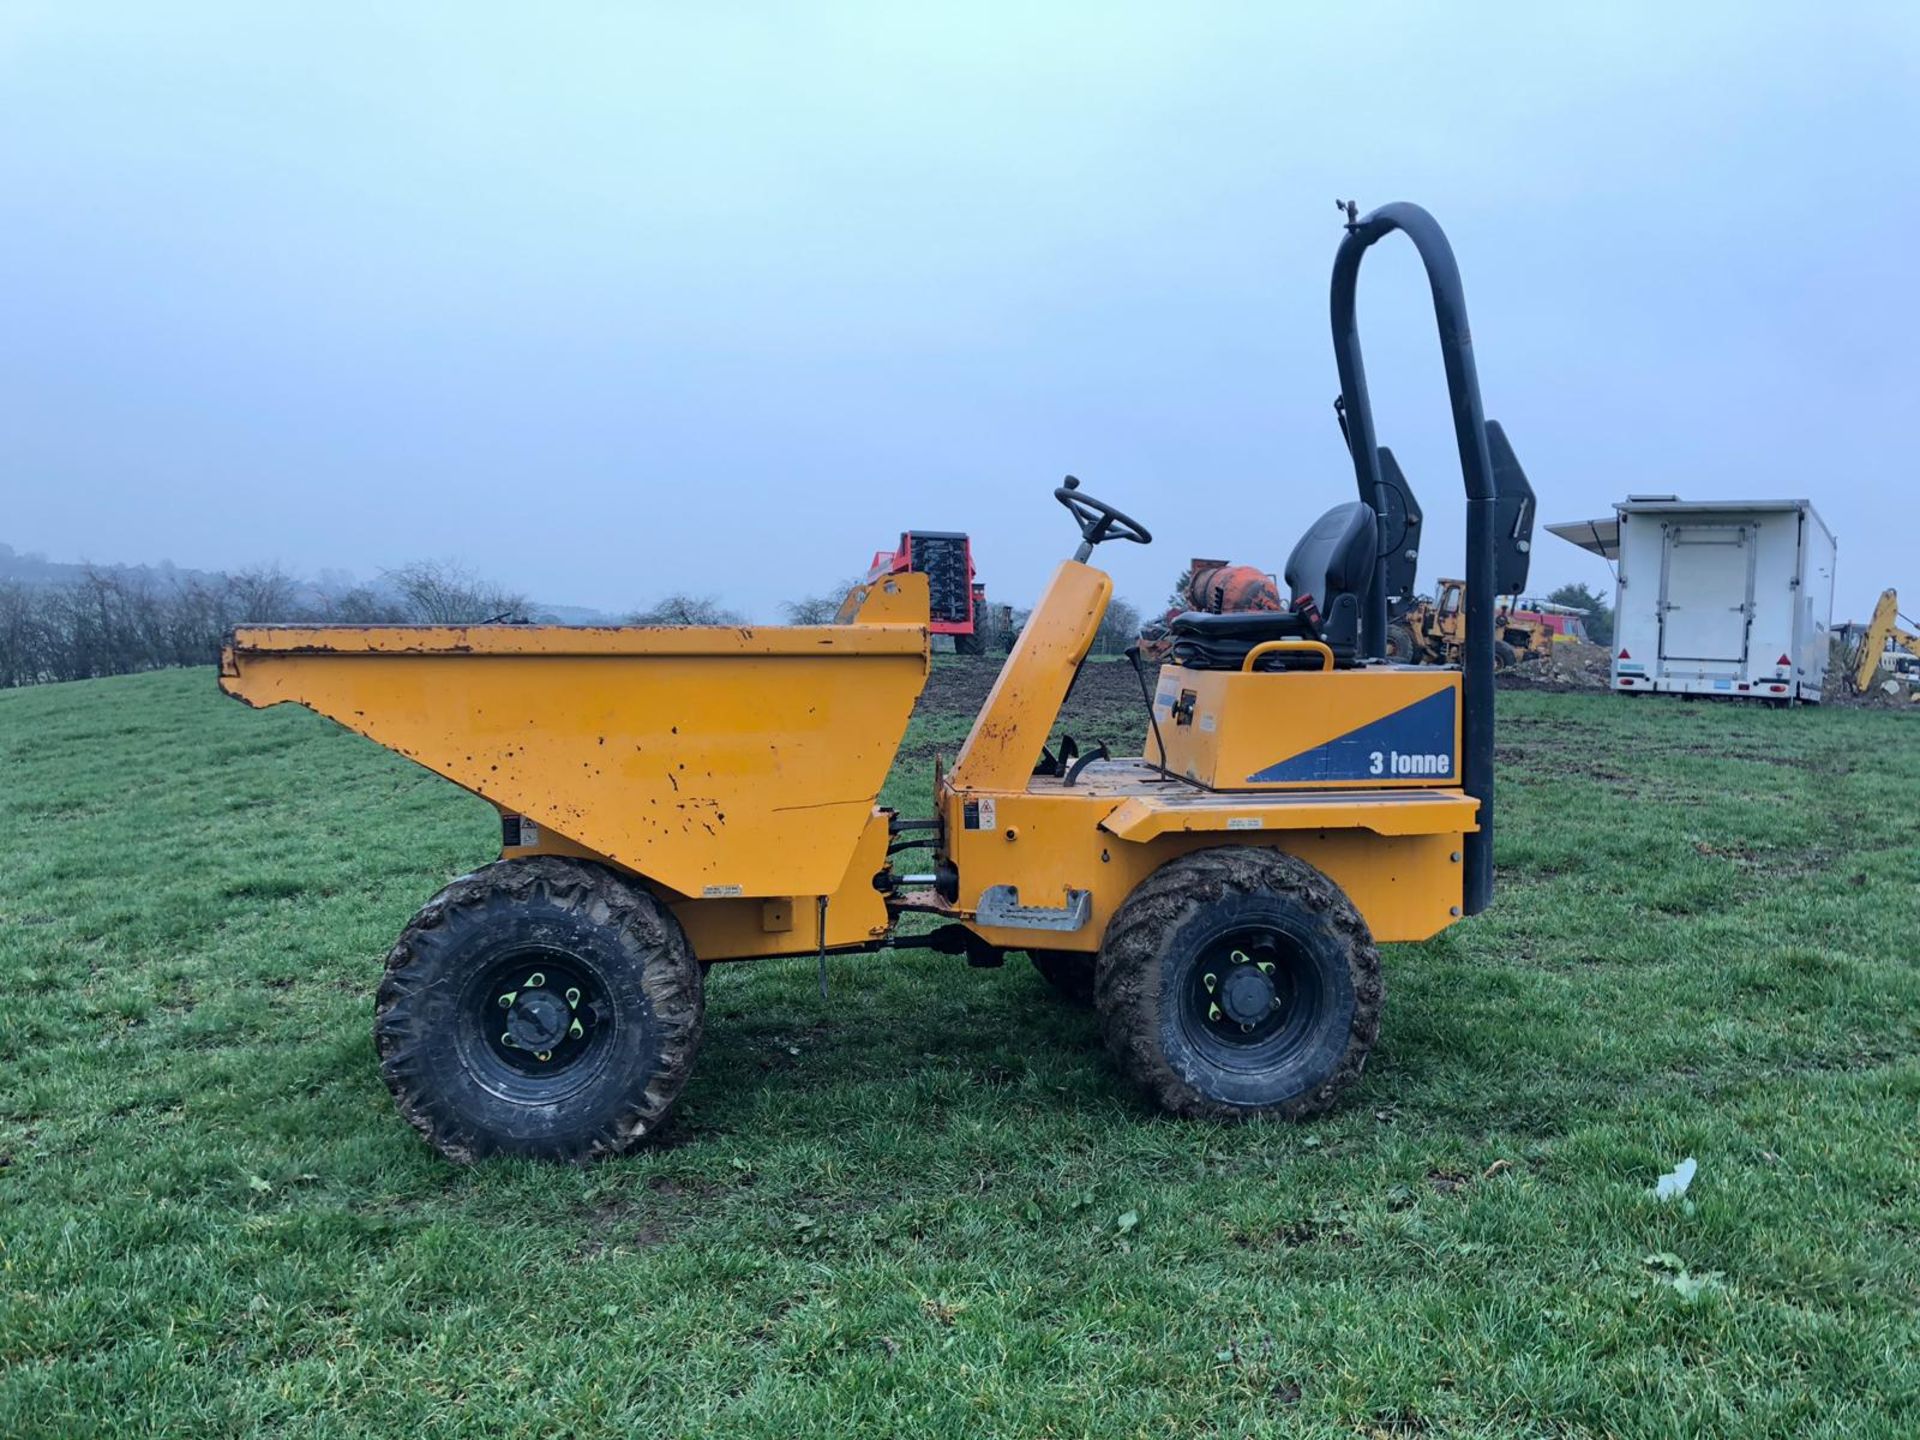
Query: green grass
x: 926, y: 1207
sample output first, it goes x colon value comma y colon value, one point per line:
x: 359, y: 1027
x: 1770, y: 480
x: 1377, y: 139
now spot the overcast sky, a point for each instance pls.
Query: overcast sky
x: 611, y: 300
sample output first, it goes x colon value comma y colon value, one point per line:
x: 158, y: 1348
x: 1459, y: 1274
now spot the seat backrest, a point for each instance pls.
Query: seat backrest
x: 1329, y: 571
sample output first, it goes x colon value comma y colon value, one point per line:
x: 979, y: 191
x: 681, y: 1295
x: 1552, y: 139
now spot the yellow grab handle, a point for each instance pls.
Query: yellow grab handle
x: 1269, y: 647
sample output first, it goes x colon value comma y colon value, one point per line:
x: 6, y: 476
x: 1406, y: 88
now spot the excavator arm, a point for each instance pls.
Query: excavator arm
x: 1883, y: 630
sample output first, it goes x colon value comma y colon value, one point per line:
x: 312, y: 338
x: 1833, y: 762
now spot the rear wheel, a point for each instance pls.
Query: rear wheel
x: 1400, y: 644
x: 542, y: 1007
x: 1069, y: 972
x: 974, y: 644
x: 1504, y: 655
x: 1239, y: 981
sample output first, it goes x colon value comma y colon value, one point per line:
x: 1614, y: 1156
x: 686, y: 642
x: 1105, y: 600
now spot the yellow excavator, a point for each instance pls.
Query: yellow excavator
x: 1884, y: 632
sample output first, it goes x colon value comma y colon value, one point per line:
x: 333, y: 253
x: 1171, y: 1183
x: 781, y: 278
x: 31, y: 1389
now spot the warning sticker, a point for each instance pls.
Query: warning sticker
x: 1207, y: 724
x: 977, y: 814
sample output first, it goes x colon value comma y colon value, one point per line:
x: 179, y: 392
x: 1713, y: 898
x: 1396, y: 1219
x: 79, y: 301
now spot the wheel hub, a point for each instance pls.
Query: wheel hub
x: 537, y: 1020
x: 1247, y: 996
x: 1241, y: 992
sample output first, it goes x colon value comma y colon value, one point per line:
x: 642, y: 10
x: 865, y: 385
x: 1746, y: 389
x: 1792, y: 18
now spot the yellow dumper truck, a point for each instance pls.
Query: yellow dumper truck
x: 670, y: 798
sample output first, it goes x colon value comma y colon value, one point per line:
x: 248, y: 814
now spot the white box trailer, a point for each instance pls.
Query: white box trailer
x: 1730, y: 598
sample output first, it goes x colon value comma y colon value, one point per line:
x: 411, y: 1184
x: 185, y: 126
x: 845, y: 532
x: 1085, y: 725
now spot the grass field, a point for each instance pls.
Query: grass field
x: 925, y: 1207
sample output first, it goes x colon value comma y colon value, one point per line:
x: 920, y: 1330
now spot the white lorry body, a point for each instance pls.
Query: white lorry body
x: 1726, y: 598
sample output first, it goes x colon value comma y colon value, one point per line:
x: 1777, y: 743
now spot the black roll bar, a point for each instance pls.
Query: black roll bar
x: 1476, y: 468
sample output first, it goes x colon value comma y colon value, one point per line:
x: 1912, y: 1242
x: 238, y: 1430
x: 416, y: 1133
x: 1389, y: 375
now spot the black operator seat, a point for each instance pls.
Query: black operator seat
x: 1327, y: 574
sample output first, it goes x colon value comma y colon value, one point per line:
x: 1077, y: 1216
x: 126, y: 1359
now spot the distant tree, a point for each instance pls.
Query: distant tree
x: 818, y: 609
x: 679, y: 609
x: 263, y: 596
x: 1119, y: 628
x: 93, y: 620
x: 1599, y: 621
x: 437, y: 593
x: 198, y: 614
x: 24, y: 635
x: 1016, y: 621
x: 363, y: 605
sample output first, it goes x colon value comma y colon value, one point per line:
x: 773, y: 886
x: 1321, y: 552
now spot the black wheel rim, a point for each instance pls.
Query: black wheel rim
x: 538, y: 1024
x: 1248, y: 997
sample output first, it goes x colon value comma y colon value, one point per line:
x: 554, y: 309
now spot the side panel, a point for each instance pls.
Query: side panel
x: 1381, y: 726
x: 1636, y: 604
x: 746, y: 928
x: 1408, y: 887
x: 1813, y: 625
x: 1776, y: 598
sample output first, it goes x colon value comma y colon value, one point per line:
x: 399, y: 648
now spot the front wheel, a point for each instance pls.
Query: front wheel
x: 1239, y: 981
x: 542, y: 1007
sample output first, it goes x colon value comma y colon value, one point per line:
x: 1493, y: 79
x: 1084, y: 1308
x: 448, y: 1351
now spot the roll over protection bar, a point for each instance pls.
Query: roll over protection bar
x: 1485, y: 507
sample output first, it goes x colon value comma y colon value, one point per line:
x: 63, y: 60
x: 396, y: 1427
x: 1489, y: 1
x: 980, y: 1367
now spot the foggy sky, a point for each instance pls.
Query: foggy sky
x: 611, y: 300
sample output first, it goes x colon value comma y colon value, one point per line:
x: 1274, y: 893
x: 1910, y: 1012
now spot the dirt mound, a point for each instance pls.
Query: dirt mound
x: 1889, y: 692
x: 1572, y: 665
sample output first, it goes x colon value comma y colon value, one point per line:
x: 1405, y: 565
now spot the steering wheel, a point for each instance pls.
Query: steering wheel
x: 1098, y: 520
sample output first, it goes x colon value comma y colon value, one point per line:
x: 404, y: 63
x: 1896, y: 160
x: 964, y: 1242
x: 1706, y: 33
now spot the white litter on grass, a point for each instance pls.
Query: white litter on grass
x: 1674, y: 1183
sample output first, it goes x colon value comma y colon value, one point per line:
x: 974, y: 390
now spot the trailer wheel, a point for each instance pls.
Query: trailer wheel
x: 1069, y: 972
x: 1239, y: 981
x: 541, y: 1007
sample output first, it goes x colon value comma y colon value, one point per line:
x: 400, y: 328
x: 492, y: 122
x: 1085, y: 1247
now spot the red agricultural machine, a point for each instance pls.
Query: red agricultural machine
x: 957, y: 600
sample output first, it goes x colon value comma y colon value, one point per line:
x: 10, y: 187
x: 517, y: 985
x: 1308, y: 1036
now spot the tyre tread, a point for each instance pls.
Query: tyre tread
x: 1126, y: 983
x: 600, y: 895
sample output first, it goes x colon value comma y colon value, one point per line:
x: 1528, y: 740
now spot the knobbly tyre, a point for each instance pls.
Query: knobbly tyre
x: 676, y: 797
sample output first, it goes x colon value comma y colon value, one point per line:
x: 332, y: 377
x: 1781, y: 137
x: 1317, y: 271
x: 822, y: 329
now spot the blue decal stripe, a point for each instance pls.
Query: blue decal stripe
x: 1414, y: 741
